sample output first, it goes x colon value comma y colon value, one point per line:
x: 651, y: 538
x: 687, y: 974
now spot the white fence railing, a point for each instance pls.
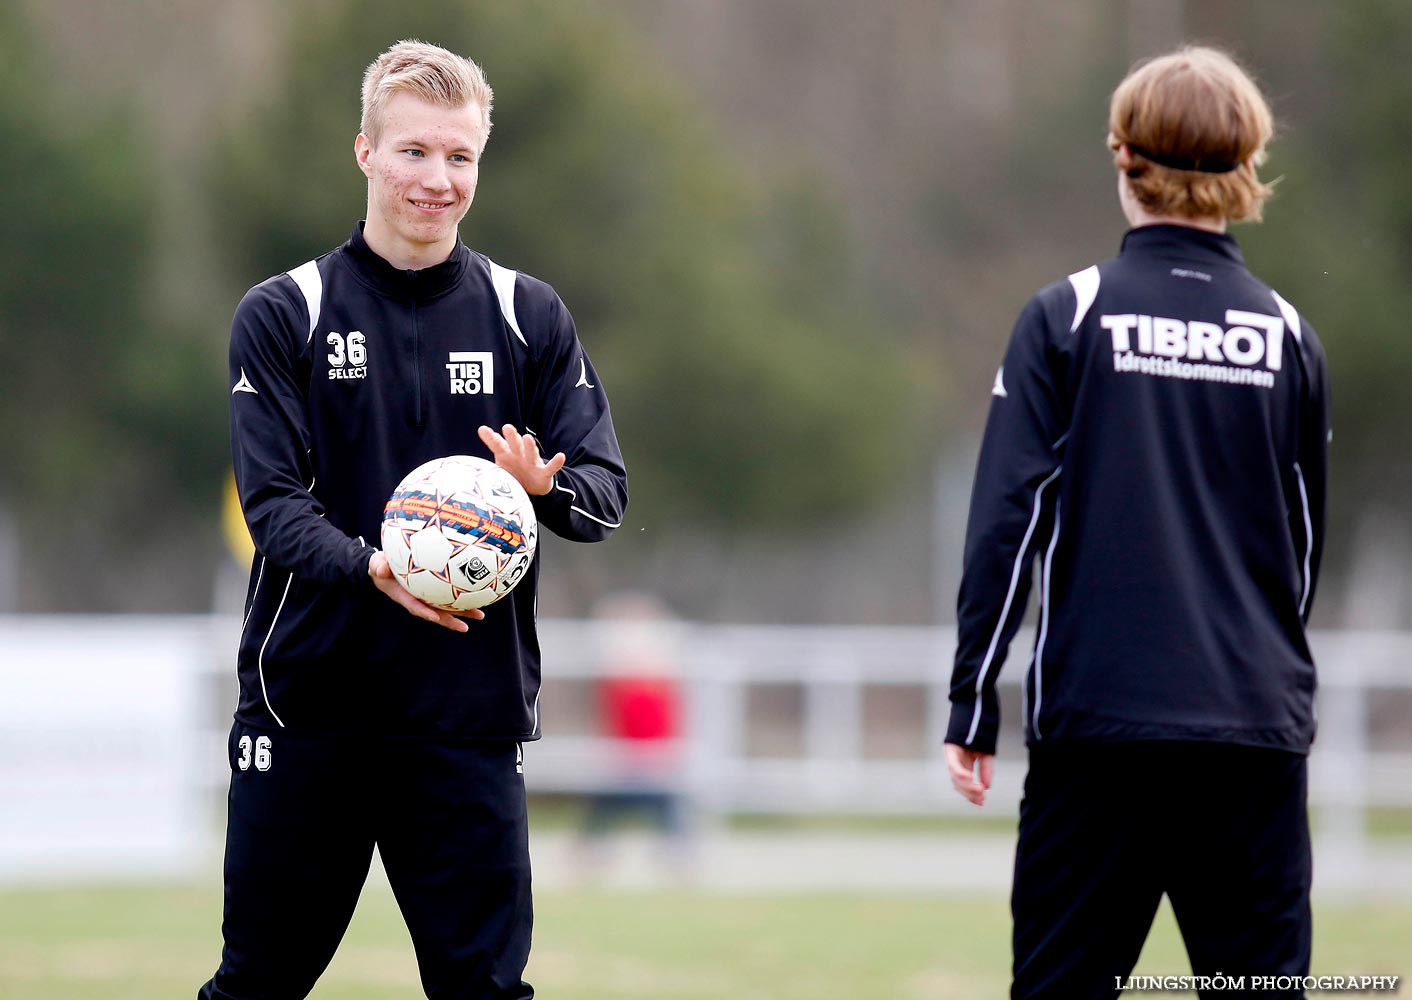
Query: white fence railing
x: 842, y: 761
x: 112, y: 729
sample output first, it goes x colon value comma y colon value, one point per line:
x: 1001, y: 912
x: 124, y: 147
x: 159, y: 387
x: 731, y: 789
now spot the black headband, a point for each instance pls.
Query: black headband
x: 1184, y: 163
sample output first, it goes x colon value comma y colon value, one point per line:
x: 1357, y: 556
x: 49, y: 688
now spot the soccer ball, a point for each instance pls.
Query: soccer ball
x: 459, y: 532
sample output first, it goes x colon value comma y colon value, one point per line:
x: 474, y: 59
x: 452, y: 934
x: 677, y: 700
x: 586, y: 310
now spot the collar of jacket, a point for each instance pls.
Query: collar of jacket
x: 425, y: 283
x: 1182, y: 241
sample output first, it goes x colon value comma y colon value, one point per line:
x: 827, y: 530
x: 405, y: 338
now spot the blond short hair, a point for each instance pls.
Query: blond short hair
x: 431, y: 73
x: 1189, y: 130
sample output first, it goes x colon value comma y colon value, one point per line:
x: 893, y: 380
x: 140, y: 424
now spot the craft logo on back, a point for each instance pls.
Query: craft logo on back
x: 1244, y: 352
x: 472, y: 373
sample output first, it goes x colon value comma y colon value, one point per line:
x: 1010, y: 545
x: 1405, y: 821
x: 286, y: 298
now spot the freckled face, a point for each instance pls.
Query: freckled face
x: 422, y: 177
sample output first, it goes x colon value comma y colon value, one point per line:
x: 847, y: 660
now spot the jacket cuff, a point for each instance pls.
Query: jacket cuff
x: 554, y: 505
x: 963, y: 714
x: 356, y: 558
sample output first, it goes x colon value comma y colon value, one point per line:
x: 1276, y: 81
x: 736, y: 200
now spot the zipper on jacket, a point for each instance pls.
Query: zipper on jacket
x: 416, y: 369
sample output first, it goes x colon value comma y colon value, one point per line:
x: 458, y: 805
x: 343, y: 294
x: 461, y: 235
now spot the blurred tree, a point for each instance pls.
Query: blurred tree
x: 749, y: 383
x: 1339, y: 236
x: 94, y: 391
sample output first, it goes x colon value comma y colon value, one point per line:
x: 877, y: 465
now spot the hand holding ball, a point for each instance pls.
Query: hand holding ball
x: 459, y: 533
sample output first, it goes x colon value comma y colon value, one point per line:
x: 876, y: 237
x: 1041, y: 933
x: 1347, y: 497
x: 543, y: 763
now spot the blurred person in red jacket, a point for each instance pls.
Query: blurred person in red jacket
x: 642, y: 712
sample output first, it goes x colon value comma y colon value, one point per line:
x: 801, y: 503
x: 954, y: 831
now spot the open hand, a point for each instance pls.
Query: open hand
x: 383, y: 579
x: 518, y: 454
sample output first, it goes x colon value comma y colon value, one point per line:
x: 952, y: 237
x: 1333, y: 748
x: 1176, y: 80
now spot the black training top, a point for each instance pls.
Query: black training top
x: 346, y: 374
x: 1158, y: 439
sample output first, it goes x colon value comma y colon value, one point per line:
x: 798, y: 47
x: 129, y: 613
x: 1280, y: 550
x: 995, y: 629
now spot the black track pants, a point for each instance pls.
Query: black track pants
x: 448, y: 819
x: 1106, y: 829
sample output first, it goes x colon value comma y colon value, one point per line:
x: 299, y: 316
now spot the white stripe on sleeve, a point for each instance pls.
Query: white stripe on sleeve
x: 580, y: 510
x: 1085, y: 284
x: 1290, y: 314
x: 1009, y: 599
x: 1043, y: 621
x: 504, y: 281
x: 1308, y: 540
x: 311, y: 283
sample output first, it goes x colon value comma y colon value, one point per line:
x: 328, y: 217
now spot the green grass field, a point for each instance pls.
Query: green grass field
x: 150, y: 943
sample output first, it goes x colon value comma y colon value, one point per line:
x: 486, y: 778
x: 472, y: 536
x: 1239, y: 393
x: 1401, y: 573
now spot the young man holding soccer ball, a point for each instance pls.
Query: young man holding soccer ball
x: 358, y: 724
x: 1157, y: 440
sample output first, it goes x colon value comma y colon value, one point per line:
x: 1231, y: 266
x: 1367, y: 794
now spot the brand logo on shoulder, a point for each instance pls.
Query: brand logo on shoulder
x: 348, y: 355
x: 244, y: 385
x: 1246, y: 351
x: 583, y: 376
x: 472, y: 373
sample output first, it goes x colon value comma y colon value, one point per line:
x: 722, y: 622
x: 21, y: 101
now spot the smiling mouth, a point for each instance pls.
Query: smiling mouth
x: 432, y: 205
